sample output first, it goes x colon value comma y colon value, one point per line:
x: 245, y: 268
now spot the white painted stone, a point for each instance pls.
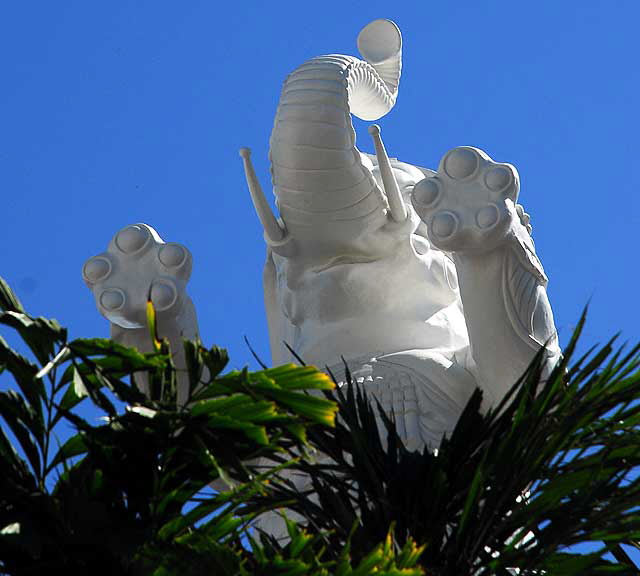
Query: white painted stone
x: 426, y: 282
x: 376, y: 258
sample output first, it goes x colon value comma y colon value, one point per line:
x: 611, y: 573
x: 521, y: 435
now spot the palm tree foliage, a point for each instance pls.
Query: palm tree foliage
x: 130, y: 495
x: 553, y: 466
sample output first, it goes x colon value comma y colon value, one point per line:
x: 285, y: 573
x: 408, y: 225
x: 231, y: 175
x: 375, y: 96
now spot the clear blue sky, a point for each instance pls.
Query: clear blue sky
x: 117, y: 112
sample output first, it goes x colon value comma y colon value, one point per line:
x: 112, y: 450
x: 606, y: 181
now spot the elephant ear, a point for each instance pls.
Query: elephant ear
x: 524, y: 282
x: 281, y: 330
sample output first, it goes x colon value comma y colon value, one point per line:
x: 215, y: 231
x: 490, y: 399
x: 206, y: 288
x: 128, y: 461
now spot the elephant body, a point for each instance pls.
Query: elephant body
x: 425, y: 283
x: 348, y: 279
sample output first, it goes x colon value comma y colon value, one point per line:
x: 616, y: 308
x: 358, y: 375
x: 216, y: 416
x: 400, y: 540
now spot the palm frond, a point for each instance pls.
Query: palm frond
x: 553, y: 466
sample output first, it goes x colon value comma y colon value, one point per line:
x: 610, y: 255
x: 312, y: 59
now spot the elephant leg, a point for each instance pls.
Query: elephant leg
x: 470, y: 211
x: 136, y: 266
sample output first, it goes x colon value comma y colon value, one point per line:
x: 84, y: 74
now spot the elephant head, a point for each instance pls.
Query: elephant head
x: 348, y: 253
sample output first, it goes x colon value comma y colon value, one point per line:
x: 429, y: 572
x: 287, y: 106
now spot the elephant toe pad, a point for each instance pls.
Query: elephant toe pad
x: 469, y: 204
x: 138, y: 265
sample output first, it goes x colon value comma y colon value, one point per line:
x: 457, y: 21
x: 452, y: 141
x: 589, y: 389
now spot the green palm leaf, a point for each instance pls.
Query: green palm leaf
x: 549, y: 468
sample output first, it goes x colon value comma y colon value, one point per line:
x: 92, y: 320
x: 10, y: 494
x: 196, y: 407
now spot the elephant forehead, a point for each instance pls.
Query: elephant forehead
x: 406, y: 174
x: 409, y: 171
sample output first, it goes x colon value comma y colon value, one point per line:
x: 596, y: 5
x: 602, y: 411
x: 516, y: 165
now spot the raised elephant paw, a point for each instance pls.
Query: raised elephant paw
x: 469, y: 205
x: 136, y: 265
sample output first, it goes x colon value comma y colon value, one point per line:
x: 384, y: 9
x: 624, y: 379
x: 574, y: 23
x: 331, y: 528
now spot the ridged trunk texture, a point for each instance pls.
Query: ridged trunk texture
x: 317, y: 171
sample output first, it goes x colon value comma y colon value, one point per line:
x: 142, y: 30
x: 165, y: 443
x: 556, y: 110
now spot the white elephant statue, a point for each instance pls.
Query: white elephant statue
x: 426, y: 283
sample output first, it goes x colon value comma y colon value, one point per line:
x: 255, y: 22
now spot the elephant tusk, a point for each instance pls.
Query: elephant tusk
x: 273, y: 230
x: 397, y: 206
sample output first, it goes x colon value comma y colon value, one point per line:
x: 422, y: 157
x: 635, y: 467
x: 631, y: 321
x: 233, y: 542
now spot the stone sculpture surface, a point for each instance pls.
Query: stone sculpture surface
x: 426, y: 282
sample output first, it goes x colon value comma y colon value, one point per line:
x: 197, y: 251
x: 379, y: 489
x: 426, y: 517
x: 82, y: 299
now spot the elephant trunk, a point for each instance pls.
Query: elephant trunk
x: 319, y: 177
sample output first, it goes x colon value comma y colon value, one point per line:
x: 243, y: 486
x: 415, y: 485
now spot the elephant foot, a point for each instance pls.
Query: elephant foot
x: 470, y: 204
x: 138, y: 265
